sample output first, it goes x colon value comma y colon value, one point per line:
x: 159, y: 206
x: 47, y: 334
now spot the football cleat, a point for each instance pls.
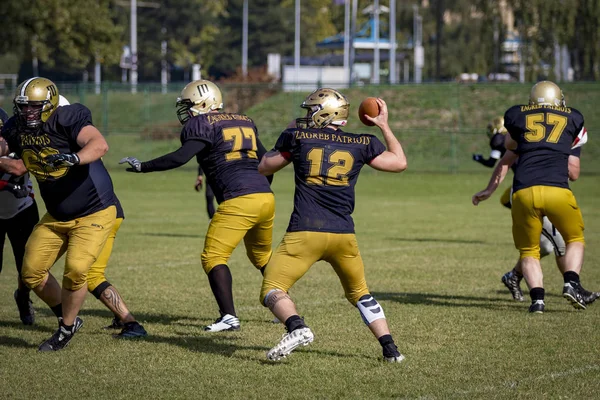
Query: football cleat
x: 115, y: 324
x: 513, y: 284
x: 391, y: 354
x: 61, y: 337
x: 132, y: 330
x: 289, y: 342
x: 588, y: 297
x: 25, y: 306
x: 227, y: 322
x: 537, y: 307
x: 571, y: 292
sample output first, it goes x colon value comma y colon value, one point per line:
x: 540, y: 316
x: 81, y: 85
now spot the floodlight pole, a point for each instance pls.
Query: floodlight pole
x: 375, y: 79
x: 297, y: 42
x: 392, y: 61
x: 347, y: 39
x: 245, y: 40
x: 134, y: 73
x: 352, y: 34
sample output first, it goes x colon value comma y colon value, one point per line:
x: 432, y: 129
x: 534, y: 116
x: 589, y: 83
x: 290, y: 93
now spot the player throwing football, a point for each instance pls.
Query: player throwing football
x: 327, y: 162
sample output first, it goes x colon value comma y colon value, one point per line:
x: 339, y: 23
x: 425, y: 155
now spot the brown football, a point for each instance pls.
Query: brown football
x: 370, y: 107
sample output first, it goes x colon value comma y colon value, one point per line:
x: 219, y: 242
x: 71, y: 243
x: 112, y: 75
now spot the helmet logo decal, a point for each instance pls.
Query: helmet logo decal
x: 202, y: 89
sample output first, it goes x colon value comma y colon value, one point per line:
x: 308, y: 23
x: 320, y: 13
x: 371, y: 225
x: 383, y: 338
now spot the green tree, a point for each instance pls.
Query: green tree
x: 62, y: 34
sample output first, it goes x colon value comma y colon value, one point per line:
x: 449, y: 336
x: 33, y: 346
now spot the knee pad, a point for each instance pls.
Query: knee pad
x: 272, y: 297
x: 546, y: 246
x: 370, y: 310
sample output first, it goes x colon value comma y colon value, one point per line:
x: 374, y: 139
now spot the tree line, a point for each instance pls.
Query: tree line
x: 68, y: 37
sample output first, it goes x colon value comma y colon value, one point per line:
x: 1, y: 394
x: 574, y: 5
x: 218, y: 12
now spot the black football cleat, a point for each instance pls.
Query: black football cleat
x: 391, y: 354
x: 131, y: 330
x: 25, y: 306
x: 513, y: 284
x: 115, y: 324
x: 537, y: 307
x: 572, y: 292
x: 62, y: 337
x: 588, y: 297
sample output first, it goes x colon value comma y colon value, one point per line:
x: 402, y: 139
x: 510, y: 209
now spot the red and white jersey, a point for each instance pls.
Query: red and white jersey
x: 11, y: 205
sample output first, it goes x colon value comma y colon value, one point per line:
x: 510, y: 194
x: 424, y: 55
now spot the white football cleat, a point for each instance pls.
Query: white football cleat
x: 225, y: 323
x: 298, y: 337
x: 394, y: 359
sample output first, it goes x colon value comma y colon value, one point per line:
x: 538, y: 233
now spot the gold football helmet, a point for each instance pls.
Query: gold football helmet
x: 324, y: 107
x: 35, y: 101
x: 198, y: 97
x: 496, y: 126
x: 546, y: 93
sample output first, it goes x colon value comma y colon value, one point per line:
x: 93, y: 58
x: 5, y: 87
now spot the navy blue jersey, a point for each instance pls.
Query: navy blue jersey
x: 229, y: 160
x: 545, y: 137
x: 68, y: 192
x: 326, y: 165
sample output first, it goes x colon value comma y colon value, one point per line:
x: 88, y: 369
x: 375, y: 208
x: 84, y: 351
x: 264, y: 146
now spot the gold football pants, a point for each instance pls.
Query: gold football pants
x: 96, y: 273
x: 248, y: 217
x: 529, y: 206
x: 82, y: 239
x: 298, y: 251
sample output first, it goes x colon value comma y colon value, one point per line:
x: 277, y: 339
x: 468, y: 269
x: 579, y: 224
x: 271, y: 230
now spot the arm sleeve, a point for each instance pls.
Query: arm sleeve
x: 576, y: 152
x: 74, y: 118
x: 200, y: 172
x: 284, y: 144
x: 261, y: 151
x: 374, y: 149
x: 175, y: 159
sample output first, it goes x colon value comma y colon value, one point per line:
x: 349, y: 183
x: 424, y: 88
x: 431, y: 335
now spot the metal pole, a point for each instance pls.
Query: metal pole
x: 347, y: 39
x: 376, y: 49
x: 97, y: 76
x: 245, y: 39
x: 417, y: 43
x: 297, y: 43
x: 134, y: 74
x: 164, y: 77
x: 352, y: 34
x: 393, y: 42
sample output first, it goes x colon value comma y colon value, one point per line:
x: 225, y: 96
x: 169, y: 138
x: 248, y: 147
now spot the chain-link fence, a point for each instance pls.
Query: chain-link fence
x: 440, y: 125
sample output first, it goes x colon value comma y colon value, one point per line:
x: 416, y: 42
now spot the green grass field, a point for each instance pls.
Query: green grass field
x: 432, y: 259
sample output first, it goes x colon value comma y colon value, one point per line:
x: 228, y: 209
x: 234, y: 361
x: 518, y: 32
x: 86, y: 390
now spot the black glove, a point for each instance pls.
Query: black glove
x: 477, y: 157
x: 62, y: 160
x: 136, y: 165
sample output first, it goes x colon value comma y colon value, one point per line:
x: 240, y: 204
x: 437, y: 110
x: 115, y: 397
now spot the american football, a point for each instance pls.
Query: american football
x: 370, y: 107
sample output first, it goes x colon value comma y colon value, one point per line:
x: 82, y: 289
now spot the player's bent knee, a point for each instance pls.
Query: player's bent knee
x: 273, y: 296
x: 370, y: 310
x: 210, y: 261
x: 32, y: 278
x: 74, y: 280
x: 99, y: 289
x: 94, y: 281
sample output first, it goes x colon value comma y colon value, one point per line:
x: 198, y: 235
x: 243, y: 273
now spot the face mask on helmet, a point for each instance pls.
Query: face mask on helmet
x: 29, y: 114
x: 35, y: 101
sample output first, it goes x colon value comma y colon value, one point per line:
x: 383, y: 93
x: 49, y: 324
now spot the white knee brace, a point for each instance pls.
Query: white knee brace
x: 370, y: 310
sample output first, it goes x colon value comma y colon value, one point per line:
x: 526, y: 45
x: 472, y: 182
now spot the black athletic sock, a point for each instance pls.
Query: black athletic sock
x: 537, y: 293
x: 221, y: 283
x: 23, y: 293
x: 294, y: 322
x: 385, y: 339
x: 57, y: 310
x: 571, y: 276
x: 517, y: 273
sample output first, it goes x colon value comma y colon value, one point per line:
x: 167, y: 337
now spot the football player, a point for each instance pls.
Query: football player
x: 551, y: 240
x: 542, y: 136
x: 63, y: 150
x: 327, y: 162
x: 18, y: 216
x: 208, y: 194
x: 228, y: 149
x: 496, y: 132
